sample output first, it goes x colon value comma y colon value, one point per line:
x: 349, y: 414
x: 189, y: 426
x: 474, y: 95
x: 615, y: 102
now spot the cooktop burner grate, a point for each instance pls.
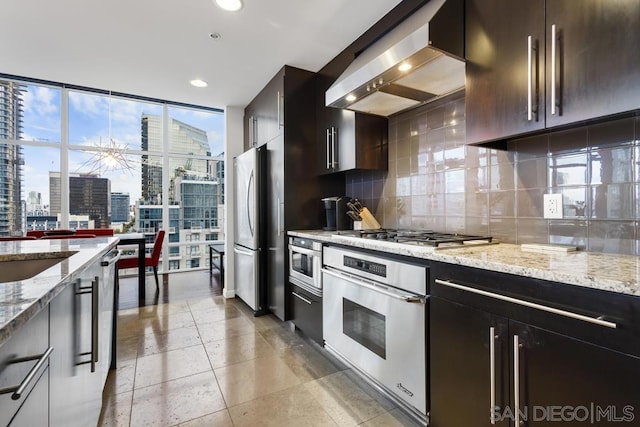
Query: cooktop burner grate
x: 419, y: 237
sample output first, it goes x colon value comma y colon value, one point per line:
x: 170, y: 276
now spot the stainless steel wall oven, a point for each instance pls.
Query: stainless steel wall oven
x: 375, y: 319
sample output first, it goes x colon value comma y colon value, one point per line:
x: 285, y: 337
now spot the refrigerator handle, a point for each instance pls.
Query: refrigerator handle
x: 249, y: 187
x: 278, y: 217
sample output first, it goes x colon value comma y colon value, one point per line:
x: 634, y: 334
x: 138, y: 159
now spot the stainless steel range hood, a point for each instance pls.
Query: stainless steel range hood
x: 427, y: 46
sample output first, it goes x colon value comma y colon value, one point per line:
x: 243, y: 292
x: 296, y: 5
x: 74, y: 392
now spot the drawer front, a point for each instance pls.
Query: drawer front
x: 306, y: 313
x: 31, y: 340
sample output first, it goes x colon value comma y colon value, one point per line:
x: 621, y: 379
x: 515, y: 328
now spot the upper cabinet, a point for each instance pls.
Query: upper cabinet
x: 264, y: 116
x: 535, y: 65
x: 349, y: 140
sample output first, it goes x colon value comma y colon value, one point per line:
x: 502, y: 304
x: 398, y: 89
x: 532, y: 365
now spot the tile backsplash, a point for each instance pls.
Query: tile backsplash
x: 436, y: 182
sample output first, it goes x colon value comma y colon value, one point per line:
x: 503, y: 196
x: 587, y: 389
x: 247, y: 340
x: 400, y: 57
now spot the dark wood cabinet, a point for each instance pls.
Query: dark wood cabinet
x: 264, y: 116
x: 306, y: 313
x: 535, y: 65
x: 497, y: 78
x: 595, y: 73
x: 349, y: 140
x: 487, y: 352
x: 293, y: 188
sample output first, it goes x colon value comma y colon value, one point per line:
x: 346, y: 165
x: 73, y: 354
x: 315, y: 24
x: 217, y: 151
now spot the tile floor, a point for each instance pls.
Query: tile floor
x: 203, y: 360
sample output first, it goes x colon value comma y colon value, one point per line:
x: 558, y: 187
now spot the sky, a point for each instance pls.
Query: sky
x: 95, y: 120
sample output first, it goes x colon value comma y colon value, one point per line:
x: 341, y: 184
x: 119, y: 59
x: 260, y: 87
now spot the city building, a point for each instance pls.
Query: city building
x: 120, y: 207
x: 88, y: 195
x: 11, y: 160
x: 184, y: 139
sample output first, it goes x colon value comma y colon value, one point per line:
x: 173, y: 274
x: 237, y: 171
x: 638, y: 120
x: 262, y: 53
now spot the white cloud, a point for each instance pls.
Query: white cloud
x: 88, y: 104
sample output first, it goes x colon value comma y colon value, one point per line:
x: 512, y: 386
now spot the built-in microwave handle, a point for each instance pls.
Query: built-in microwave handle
x: 304, y: 251
x: 565, y: 313
x: 375, y: 287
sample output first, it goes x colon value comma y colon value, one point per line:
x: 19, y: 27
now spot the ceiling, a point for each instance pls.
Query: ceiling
x: 153, y: 48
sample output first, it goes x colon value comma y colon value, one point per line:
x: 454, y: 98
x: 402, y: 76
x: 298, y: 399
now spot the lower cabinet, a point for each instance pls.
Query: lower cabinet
x: 81, y: 325
x: 26, y: 353
x: 488, y: 369
x: 306, y: 312
x: 35, y: 410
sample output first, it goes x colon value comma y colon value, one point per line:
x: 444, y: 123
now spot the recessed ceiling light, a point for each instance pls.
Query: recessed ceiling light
x: 351, y: 97
x: 198, y: 83
x: 230, y: 5
x: 405, y: 66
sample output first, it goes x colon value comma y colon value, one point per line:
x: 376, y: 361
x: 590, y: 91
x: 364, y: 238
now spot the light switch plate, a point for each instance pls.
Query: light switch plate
x: 553, y: 206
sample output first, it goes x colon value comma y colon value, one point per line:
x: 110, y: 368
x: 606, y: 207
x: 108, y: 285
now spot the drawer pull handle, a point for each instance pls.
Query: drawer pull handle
x: 19, y: 389
x: 594, y: 320
x: 301, y: 297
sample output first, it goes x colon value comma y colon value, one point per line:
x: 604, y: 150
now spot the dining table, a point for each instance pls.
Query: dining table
x: 137, y: 239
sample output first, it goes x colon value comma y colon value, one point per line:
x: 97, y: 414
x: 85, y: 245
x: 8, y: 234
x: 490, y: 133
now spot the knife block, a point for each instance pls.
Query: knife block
x: 368, y: 220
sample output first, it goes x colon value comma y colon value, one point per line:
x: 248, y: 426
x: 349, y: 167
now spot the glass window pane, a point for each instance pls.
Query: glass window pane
x: 29, y: 112
x: 41, y: 188
x: 196, y: 132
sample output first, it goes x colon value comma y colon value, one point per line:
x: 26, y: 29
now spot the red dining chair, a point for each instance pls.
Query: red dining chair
x: 149, y: 261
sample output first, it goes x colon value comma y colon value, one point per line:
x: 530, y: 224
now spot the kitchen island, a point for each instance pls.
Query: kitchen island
x: 23, y: 299
x: 57, y: 329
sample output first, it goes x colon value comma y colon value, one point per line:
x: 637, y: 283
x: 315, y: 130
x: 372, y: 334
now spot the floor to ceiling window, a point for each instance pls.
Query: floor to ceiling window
x: 77, y: 158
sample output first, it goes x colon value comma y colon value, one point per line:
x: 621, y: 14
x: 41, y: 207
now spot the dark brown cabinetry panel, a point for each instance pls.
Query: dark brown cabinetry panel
x: 293, y: 188
x: 349, y: 140
x: 535, y: 65
x: 497, y: 80
x: 536, y: 358
x: 597, y: 72
x: 306, y: 313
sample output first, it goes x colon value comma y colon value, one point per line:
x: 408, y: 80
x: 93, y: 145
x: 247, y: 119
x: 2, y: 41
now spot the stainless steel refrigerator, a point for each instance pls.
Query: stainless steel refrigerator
x: 248, y: 169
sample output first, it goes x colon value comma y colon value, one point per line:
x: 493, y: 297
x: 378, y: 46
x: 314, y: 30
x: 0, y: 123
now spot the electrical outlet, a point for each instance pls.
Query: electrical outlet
x: 553, y: 206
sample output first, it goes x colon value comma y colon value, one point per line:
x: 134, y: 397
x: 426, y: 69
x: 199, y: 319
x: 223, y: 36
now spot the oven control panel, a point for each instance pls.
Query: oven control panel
x: 366, y: 266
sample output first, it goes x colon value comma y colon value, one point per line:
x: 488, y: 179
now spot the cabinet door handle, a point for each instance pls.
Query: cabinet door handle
x: 19, y: 389
x: 492, y: 369
x: 553, y: 69
x: 516, y: 380
x: 280, y: 104
x: 301, y: 298
x: 328, y: 141
x: 594, y: 320
x: 95, y: 308
x: 334, y: 147
x: 529, y: 78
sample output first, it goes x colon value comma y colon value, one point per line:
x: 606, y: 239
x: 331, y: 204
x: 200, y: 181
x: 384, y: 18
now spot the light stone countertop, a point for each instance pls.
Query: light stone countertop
x: 610, y: 272
x: 22, y: 300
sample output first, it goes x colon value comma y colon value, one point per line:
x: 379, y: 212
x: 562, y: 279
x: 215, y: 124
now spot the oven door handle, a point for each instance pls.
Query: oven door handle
x: 376, y: 288
x: 304, y: 251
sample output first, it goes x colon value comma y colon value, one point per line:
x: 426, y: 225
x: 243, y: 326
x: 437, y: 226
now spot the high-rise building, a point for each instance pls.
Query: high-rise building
x: 184, y: 139
x: 55, y: 193
x: 120, y: 207
x: 11, y: 160
x: 90, y: 195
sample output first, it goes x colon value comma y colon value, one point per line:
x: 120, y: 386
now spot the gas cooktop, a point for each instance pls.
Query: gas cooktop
x: 420, y: 237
